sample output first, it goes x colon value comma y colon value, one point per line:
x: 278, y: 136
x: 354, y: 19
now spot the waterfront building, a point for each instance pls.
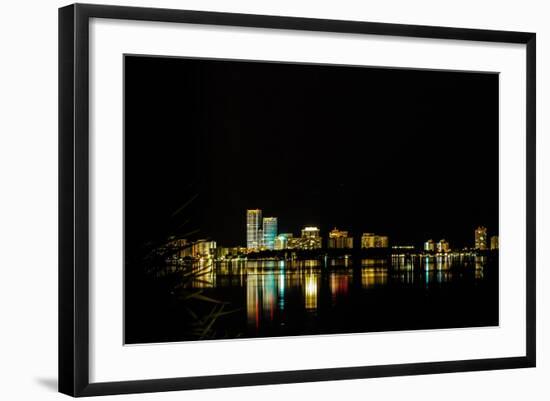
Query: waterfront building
x: 494, y: 242
x: 223, y: 252
x: 368, y: 240
x: 339, y: 239
x: 480, y: 237
x: 269, y: 232
x: 261, y: 239
x: 281, y: 241
x: 443, y: 246
x: 253, y: 226
x: 239, y: 250
x: 229, y: 252
x: 371, y: 240
x: 203, y: 249
x: 382, y: 241
x: 429, y: 245
x: 310, y: 239
x: 293, y: 243
x: 310, y: 232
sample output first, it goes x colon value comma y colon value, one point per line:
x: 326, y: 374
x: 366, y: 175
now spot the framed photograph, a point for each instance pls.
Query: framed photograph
x: 250, y: 199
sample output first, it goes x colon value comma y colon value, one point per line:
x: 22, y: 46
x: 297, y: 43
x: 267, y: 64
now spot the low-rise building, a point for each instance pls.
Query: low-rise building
x: 339, y: 239
x: 203, y: 249
x: 494, y: 242
x: 443, y: 246
x: 371, y: 240
x: 429, y: 245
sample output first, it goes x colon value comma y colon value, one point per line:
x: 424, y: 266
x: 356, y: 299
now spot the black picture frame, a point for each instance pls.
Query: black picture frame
x: 74, y: 198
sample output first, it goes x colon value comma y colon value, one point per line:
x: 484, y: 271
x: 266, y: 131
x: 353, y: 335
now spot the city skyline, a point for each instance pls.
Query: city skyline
x: 262, y: 235
x: 463, y: 240
x: 256, y: 229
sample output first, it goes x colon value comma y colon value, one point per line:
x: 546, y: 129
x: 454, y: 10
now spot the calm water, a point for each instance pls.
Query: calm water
x: 278, y: 298
x: 330, y: 296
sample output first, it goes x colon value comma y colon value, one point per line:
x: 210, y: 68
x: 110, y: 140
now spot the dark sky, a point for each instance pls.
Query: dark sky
x: 408, y: 153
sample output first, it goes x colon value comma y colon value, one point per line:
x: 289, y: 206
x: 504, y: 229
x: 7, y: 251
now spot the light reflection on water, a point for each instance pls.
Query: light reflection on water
x: 373, y: 277
x: 271, y: 286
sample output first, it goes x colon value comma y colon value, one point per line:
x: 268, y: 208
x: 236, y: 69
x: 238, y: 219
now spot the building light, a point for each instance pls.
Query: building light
x: 480, y: 238
x: 253, y: 226
x: 429, y: 245
x: 371, y: 240
x: 494, y: 242
x: 443, y: 246
x: 339, y: 239
x: 269, y: 232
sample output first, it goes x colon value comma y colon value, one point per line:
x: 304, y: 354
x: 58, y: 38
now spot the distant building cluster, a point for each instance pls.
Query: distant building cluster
x: 230, y: 252
x: 261, y: 234
x: 481, y: 242
x: 310, y: 239
x: 442, y: 246
x: 281, y: 240
x: 204, y: 249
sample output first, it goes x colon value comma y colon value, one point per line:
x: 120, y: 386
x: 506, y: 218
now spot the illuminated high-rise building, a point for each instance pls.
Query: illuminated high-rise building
x: 253, y: 226
x: 481, y: 238
x: 429, y: 245
x: 494, y: 242
x: 371, y: 240
x: 269, y: 232
x: 339, y: 239
x: 443, y: 246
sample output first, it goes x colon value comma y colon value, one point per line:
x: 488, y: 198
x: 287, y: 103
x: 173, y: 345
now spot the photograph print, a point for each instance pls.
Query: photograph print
x: 268, y: 199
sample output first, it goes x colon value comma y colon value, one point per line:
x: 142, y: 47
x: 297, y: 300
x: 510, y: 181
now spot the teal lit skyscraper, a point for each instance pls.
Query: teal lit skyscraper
x: 269, y: 231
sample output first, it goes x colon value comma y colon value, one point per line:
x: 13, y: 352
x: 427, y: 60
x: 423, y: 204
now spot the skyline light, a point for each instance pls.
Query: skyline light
x: 269, y: 232
x: 480, y: 236
x: 253, y: 221
x: 262, y: 234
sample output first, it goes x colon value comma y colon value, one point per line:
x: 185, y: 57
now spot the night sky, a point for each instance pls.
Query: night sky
x: 408, y: 153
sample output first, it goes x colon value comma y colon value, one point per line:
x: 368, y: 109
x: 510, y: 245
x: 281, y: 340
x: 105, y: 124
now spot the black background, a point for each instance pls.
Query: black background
x: 408, y: 153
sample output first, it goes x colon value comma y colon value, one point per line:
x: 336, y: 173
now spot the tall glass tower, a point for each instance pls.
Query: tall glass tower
x: 253, y: 226
x: 269, y: 231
